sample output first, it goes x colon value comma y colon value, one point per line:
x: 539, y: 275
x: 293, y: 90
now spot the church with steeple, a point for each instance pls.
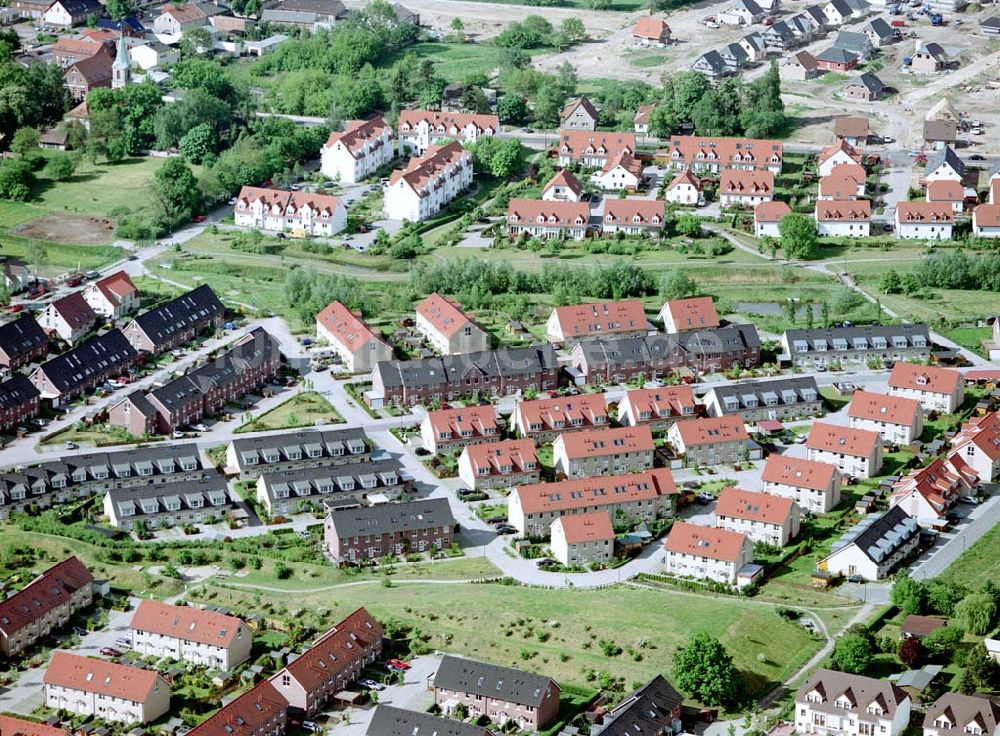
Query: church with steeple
x: 120, y: 67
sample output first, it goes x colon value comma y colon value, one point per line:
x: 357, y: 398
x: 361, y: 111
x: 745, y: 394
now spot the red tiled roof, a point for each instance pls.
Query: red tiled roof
x: 346, y: 327
x: 421, y: 171
x: 983, y: 432
x: 838, y: 187
x: 692, y: 314
x: 883, y: 408
x: 590, y: 527
x: 798, y: 472
x: 939, y: 483
x: 945, y: 190
x: 452, y: 123
x: 995, y: 191
x: 601, y: 442
x: 186, y: 622
x: 356, y: 133
x: 671, y: 399
x: 630, y: 163
x: 246, y: 715
x: 688, y: 149
x: 76, y: 46
x: 601, y: 318
x: 909, y: 213
x: 735, y: 503
x: 535, y: 211
x: 444, y: 314
x: 101, y: 677
x: 986, y: 215
x: 184, y: 13
x: 741, y: 182
x: 642, y: 212
x: 854, y: 171
x: 10, y: 726
x: 517, y: 454
x: 591, y: 408
x: 835, y: 210
x: 477, y: 418
x: 924, y: 378
x: 711, y: 430
x: 577, y: 143
x: 842, y: 440
x: 116, y: 287
x: 643, y: 113
x: 705, y: 541
x: 839, y: 146
x: 685, y: 177
x: 649, y: 27
x: 334, y: 651
x: 564, y: 178
x: 47, y: 591
x: 605, y: 490
x: 771, y: 211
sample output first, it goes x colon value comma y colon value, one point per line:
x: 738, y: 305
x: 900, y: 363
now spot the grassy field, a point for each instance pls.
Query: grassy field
x: 60, y: 257
x: 970, y: 338
x: 92, y: 436
x: 647, y: 62
x: 456, y: 60
x: 302, y: 410
x: 978, y: 564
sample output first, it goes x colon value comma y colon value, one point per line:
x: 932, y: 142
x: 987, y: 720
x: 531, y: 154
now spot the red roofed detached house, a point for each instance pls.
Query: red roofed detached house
x: 548, y: 218
x: 364, y: 147
x: 71, y: 318
x: 448, y: 329
x: 564, y: 186
x: 767, y: 217
x: 261, y: 711
x: 986, y: 221
x: 449, y: 429
x: 924, y: 220
x: 543, y: 419
x: 844, y: 218
x: 813, y: 485
x: 106, y: 690
x: 706, y: 553
x: 113, y: 296
x: 978, y: 442
x: 502, y: 464
x: 762, y: 517
x: 857, y: 452
x: 946, y: 191
x: 928, y: 493
x: 682, y: 315
x: 603, y: 452
x: 579, y: 114
x: 839, y: 153
x: 583, y: 539
x: 356, y: 343
x: 686, y: 188
x: 333, y: 661
x: 567, y: 325
x: 713, y: 441
x: 658, y: 408
x: 633, y: 217
x: 189, y: 634
x: 899, y: 420
x: 649, y: 31
x: 279, y: 211
x: 640, y: 121
x: 623, y: 172
x: 418, y: 129
x: 937, y: 389
x: 747, y: 188
x: 44, y: 605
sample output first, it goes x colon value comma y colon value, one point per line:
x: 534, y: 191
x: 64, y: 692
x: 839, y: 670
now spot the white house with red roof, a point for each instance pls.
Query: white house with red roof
x: 548, y: 219
x: 113, y: 296
x: 937, y: 389
x: 640, y: 121
x: 924, y: 220
x: 448, y: 329
x: 767, y: 217
x: 813, y: 485
x: 592, y: 149
x: 762, y: 517
x: 686, y: 188
x: 856, y: 452
x: 928, y: 493
x: 607, y: 451
x: 946, y: 191
x: 685, y: 315
x: 658, y: 408
x: 986, y: 221
x: 428, y: 183
x: 643, y: 217
x: 839, y: 153
x: 418, y: 129
x: 899, y: 420
x: 650, y: 31
x: 621, y: 173
x: 844, y: 218
x: 699, y: 153
x: 445, y: 430
x: 356, y: 344
x: 570, y: 324
x: 356, y: 153
x: 276, y: 210
x: 71, y: 318
x: 543, y: 419
x: 189, y: 634
x: 978, y: 443
x: 563, y: 187
x: 583, y: 539
x: 713, y: 441
x: 706, y: 553
x: 746, y: 188
x: 502, y: 464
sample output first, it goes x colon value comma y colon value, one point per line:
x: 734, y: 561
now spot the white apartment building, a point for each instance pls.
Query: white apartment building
x: 566, y: 218
x: 856, y: 452
x: 840, y: 704
x: 924, y: 220
x: 364, y: 147
x: 813, y: 485
x: 979, y: 445
x: 898, y: 420
x: 706, y: 553
x: 278, y: 211
x: 762, y: 517
x: 419, y: 129
x: 937, y: 389
x: 188, y: 634
x: 429, y: 183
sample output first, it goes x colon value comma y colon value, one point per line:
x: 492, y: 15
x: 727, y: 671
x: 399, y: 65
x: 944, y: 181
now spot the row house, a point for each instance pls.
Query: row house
x: 954, y: 714
x: 782, y: 398
x: 502, y: 464
x: 657, y: 408
x: 899, y: 421
x: 356, y: 344
x: 22, y: 341
x: 642, y: 217
x: 357, y: 153
x: 78, y: 476
x: 188, y: 634
x: 172, y: 324
x: 287, y: 492
x: 563, y: 186
x: 687, y: 315
x: 739, y: 187
x: 105, y: 690
x: 937, y: 389
x: 447, y: 430
x: 623, y: 173
x: 570, y: 324
x: 200, y: 501
x: 610, y: 361
x: 270, y: 453
x: 387, y: 720
x: 418, y: 129
x: 697, y: 153
x: 978, y: 442
x: 567, y: 219
x: 18, y: 402
x: 874, y: 546
x: 814, y: 485
x: 852, y: 705
x: 578, y: 114
x: 428, y: 183
x: 69, y: 318
x: 260, y: 711
x: 645, y: 496
x: 499, y: 694
x: 772, y: 520
x: 706, y: 553
x: 767, y: 217
x: 856, y: 345
x: 712, y: 441
x: 279, y: 211
x: 505, y: 372
x: 840, y: 153
x: 371, y: 532
x: 844, y: 218
x: 332, y: 663
x: 73, y: 373
x: 44, y: 605
x: 448, y: 329
x: 542, y: 420
x: 113, y: 297
x: 928, y: 493
x: 856, y: 452
x: 611, y: 451
x: 593, y: 150
x: 653, y: 708
x: 583, y: 539
x: 924, y: 220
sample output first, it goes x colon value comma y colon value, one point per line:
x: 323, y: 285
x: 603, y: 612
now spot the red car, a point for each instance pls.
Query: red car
x: 15, y: 308
x: 198, y: 218
x: 110, y: 652
x: 398, y: 664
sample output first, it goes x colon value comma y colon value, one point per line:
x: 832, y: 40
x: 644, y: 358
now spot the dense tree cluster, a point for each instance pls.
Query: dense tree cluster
x: 949, y: 270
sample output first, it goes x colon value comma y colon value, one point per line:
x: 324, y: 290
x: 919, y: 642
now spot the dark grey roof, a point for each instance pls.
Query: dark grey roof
x: 697, y: 343
x: 755, y: 40
x: 391, y: 518
x: 503, y: 683
x: 17, y: 391
x: 940, y: 130
x: 859, y: 43
x: 880, y: 28
x: 149, y: 500
x: 81, y: 7
x: 99, y: 356
x: 879, y: 538
x: 934, y: 49
x: 490, y: 363
x: 841, y: 7
x: 197, y: 307
x: 736, y: 52
x: 751, y: 6
x: 390, y: 721
x: 948, y: 156
x: 783, y: 391
x: 714, y: 60
x: 801, y: 24
x: 914, y: 334
x: 816, y: 13
x: 328, y: 483
x: 21, y: 336
x: 649, y: 710
x: 331, y: 8
x: 782, y: 30
x: 993, y: 22
x: 140, y: 402
x: 858, y: 6
x: 302, y: 441
x: 869, y: 81
x: 836, y: 56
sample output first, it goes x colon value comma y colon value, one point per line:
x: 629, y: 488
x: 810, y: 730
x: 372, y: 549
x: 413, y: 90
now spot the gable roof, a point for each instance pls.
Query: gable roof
x: 685, y: 177
x: 945, y: 157
x: 921, y: 625
x: 101, y: 677
x: 714, y: 60
x: 73, y: 368
x: 961, y: 711
x: 246, y: 715
x: 357, y: 133
x: 564, y: 495
x: 649, y: 710
x: 842, y: 440
x: 861, y: 691
x: 799, y: 472
x: 567, y: 408
x: 557, y: 213
x: 388, y: 720
x: 391, y: 518
x: 851, y: 126
x: 929, y: 378
x: 564, y: 178
x: 461, y: 675
x: 447, y: 121
x: 444, y: 314
x: 582, y: 103
x: 736, y: 503
x: 333, y: 652
x: 705, y: 541
x: 454, y: 420
x: 576, y: 143
x: 739, y: 182
x: 186, y: 622
x: 771, y: 211
x: 838, y: 210
x: 22, y: 336
x: 840, y: 146
x: 601, y: 318
x: 869, y: 81
x: 602, y: 442
x: 50, y: 589
x: 694, y: 313
x: 346, y: 326
x: 878, y: 537
x: 116, y: 287
x: 494, y: 455
x: 836, y: 55
x: 712, y: 430
x: 945, y: 190
x: 198, y: 306
x: 649, y: 27
x: 671, y: 399
x: 11, y: 726
x: 74, y: 310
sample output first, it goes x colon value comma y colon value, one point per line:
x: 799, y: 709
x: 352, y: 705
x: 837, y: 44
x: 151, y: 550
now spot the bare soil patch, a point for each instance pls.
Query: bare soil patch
x: 62, y: 227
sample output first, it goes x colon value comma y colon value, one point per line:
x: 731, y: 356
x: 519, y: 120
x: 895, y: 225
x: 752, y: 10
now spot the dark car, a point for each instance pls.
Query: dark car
x: 858, y: 579
x: 506, y: 529
x: 977, y: 157
x: 110, y: 652
x: 547, y: 562
x: 496, y: 520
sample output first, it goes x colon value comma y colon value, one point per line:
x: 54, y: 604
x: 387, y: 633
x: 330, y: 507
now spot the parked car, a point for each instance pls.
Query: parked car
x: 397, y: 664
x: 70, y: 445
x: 372, y: 685
x: 110, y: 652
x: 123, y: 642
x: 547, y: 562
x: 967, y: 500
x: 857, y: 579
x: 505, y: 529
x: 496, y: 520
x: 310, y: 726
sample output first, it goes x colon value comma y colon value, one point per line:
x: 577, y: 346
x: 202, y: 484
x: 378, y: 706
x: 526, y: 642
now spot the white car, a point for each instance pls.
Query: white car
x: 372, y: 685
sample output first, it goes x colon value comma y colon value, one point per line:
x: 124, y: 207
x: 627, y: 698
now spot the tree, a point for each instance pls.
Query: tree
x: 676, y: 284
x: 911, y: 651
x: 705, y: 671
x: 891, y: 283
x: 943, y: 641
x: 942, y: 597
x: 25, y: 142
x: 61, y: 167
x: 512, y: 109
x: 16, y: 179
x: 975, y: 613
x: 457, y: 25
x: 798, y: 236
x: 196, y: 41
x: 981, y: 666
x: 824, y: 314
x: 198, y: 143
x: 36, y: 254
x: 573, y: 30
x: 908, y: 595
x: 662, y: 121
x: 176, y: 189
x: 566, y: 78
x: 851, y: 653
x: 689, y: 225
x: 118, y: 9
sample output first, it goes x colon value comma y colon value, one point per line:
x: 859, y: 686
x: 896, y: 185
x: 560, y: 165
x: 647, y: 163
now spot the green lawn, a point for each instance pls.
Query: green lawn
x: 302, y: 410
x: 92, y: 436
x: 979, y: 564
x: 456, y: 60
x: 970, y: 338
x: 646, y: 62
